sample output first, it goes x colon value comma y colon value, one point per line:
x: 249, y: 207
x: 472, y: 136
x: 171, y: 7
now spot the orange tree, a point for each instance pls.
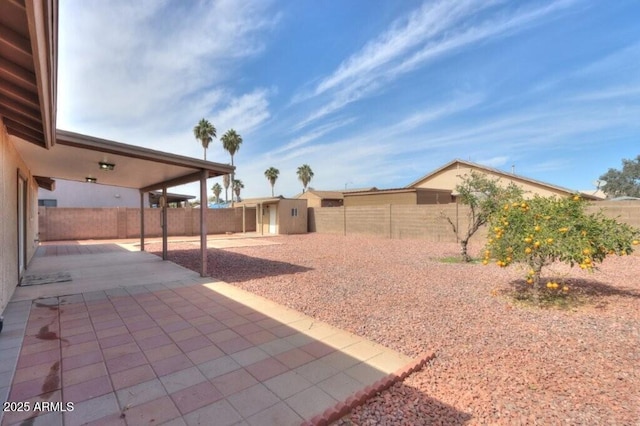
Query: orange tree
x: 542, y: 230
x: 484, y: 196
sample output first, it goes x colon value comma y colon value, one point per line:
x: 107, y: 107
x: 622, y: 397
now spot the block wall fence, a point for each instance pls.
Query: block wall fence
x: 386, y: 221
x: 428, y: 221
x: 58, y: 224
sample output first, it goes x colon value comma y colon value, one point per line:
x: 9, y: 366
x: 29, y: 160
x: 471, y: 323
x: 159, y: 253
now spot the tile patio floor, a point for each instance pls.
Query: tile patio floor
x: 177, y: 349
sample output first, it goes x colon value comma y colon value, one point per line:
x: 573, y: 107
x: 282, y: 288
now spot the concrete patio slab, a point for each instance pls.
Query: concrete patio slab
x: 133, y: 339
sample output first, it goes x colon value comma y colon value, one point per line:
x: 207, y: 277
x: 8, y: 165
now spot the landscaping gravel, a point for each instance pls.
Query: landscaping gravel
x: 497, y: 361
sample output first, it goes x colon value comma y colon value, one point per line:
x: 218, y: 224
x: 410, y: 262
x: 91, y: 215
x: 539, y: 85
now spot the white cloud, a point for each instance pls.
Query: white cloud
x: 432, y: 31
x: 158, y: 63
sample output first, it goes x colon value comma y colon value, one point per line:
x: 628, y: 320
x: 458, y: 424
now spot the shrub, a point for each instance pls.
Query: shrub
x: 541, y: 231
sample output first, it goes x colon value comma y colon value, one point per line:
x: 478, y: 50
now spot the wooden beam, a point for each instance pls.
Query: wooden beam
x: 14, y: 132
x: 203, y: 222
x: 19, y: 94
x: 18, y: 75
x: 20, y: 113
x: 192, y: 177
x: 142, y: 221
x: 12, y: 40
x: 23, y: 128
x: 165, y: 234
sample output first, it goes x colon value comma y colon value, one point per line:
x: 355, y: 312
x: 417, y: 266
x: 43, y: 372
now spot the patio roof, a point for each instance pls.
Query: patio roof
x: 76, y: 156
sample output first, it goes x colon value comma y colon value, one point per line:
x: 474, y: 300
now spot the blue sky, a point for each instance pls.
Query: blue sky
x: 367, y: 92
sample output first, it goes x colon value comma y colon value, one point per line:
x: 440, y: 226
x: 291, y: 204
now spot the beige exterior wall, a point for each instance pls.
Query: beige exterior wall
x: 312, y: 199
x: 10, y: 163
x: 450, y: 177
x: 289, y: 224
x: 58, y: 224
x: 352, y: 200
x: 623, y: 211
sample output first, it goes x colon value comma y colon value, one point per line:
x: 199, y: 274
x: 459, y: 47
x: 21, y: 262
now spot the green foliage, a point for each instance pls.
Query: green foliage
x: 272, y: 175
x: 304, y: 175
x: 237, y: 187
x: 204, y: 131
x: 217, y: 189
x: 541, y: 231
x: 484, y: 196
x: 625, y: 181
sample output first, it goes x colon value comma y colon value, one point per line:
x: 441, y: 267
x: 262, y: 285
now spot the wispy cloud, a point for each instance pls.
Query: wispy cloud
x: 430, y: 32
x: 155, y: 59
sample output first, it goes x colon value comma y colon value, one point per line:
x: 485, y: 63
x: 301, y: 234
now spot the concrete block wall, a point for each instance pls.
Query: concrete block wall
x: 57, y: 224
x: 428, y: 221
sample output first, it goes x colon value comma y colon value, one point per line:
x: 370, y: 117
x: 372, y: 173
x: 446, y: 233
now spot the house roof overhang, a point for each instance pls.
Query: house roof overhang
x: 28, y: 69
x: 498, y: 173
x: 76, y: 156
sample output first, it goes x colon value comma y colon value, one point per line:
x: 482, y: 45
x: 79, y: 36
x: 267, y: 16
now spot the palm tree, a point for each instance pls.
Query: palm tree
x: 231, y: 142
x: 237, y: 186
x: 217, y: 189
x: 226, y: 182
x: 204, y: 132
x: 304, y: 175
x: 272, y: 176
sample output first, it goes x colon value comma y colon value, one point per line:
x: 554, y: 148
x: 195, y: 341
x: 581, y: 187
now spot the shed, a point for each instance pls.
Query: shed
x: 278, y: 215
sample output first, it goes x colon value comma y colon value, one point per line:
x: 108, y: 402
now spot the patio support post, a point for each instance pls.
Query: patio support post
x: 164, y: 223
x: 141, y: 221
x: 244, y: 218
x: 203, y: 222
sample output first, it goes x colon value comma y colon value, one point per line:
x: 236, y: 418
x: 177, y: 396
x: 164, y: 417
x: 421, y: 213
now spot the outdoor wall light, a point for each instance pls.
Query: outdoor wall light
x: 106, y: 166
x: 91, y: 180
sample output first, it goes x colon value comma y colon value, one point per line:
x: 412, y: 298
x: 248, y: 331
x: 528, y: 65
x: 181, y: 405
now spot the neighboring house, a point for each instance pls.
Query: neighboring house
x: 33, y: 152
x: 68, y: 193
x: 317, y: 198
x: 278, y: 215
x: 407, y: 196
x: 448, y: 176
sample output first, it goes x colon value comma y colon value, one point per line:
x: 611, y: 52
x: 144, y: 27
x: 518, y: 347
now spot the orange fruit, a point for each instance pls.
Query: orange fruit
x: 635, y: 242
x: 537, y: 228
x: 549, y: 240
x: 527, y: 250
x: 536, y: 244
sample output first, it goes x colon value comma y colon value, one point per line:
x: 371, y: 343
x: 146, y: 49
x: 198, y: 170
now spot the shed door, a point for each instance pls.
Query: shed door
x: 272, y: 219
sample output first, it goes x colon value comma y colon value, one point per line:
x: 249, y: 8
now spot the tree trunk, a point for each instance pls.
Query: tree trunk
x: 463, y: 249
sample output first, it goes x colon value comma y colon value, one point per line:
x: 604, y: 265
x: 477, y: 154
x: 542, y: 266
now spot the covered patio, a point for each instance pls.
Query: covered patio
x: 84, y: 158
x: 154, y: 346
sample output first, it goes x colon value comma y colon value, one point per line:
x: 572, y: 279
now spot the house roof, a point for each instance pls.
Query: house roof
x: 76, y: 156
x: 333, y: 195
x: 393, y: 191
x: 500, y: 173
x: 28, y: 69
x: 263, y: 200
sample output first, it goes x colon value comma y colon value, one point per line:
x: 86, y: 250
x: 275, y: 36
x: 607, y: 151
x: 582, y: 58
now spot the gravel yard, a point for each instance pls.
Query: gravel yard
x: 496, y: 362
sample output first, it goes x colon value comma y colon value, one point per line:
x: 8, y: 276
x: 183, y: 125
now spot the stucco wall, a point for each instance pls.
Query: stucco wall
x: 450, y: 177
x: 81, y: 194
x: 58, y: 224
x: 10, y: 163
x: 288, y: 224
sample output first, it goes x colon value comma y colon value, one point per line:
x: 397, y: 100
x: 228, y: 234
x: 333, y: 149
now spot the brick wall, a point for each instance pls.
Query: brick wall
x: 58, y: 224
x: 427, y: 221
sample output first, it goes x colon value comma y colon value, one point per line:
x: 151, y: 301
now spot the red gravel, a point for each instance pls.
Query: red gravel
x: 497, y: 362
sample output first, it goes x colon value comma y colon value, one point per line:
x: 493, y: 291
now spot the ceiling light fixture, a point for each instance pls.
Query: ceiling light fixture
x: 106, y: 166
x: 91, y: 180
